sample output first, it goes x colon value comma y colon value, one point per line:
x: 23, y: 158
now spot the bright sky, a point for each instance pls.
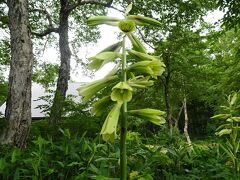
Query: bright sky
x: 108, y: 37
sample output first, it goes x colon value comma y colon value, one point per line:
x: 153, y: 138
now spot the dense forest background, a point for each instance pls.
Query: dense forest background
x: 199, y: 92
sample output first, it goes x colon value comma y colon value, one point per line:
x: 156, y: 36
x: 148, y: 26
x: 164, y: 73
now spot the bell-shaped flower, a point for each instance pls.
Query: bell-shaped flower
x: 140, y: 82
x: 98, y: 20
x: 141, y: 56
x: 153, y: 68
x: 136, y: 43
x: 126, y: 26
x: 90, y: 89
x: 144, y: 21
x: 153, y: 115
x: 102, y: 58
x: 121, y: 92
x: 109, y: 127
x: 99, y: 107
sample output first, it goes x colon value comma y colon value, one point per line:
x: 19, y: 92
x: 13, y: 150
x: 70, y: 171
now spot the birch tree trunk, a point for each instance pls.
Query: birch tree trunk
x: 186, y: 123
x: 18, y: 106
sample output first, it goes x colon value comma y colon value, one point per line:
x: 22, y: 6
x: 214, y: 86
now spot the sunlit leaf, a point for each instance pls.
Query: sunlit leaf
x: 221, y: 116
x: 224, y: 132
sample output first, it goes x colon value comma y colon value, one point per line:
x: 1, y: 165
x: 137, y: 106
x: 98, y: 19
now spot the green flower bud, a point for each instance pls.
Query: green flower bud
x: 126, y: 25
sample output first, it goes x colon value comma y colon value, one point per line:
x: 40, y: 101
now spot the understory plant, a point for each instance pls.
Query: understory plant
x: 134, y: 69
x: 230, y: 129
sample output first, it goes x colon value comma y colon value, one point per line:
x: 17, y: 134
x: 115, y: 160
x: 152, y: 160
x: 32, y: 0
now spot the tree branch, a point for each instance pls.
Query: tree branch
x: 144, y: 40
x: 96, y: 2
x: 46, y: 32
x: 50, y: 28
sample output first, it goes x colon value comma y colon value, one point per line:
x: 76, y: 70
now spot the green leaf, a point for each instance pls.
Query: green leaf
x: 102, y: 58
x: 229, y: 152
x: 146, y: 177
x: 15, y: 155
x: 90, y: 89
x: 98, y: 20
x: 224, y: 132
x: 121, y: 92
x: 144, y: 21
x: 109, y: 127
x: 3, y: 164
x: 236, y: 119
x: 233, y: 99
x: 221, y: 116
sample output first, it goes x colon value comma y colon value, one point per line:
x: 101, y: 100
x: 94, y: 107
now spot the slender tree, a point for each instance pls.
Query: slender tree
x: 62, y: 28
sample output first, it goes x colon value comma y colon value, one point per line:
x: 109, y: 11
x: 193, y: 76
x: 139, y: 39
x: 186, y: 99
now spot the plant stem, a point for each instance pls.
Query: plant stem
x: 123, y: 155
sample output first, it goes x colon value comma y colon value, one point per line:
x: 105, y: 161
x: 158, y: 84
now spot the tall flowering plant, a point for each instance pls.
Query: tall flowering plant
x: 140, y: 74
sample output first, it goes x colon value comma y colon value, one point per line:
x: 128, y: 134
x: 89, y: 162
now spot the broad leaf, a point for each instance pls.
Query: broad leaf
x: 224, y: 132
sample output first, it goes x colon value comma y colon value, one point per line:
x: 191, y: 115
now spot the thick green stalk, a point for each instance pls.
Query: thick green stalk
x: 123, y: 155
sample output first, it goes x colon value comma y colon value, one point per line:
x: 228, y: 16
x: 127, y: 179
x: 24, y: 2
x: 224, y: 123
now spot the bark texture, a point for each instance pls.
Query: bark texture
x: 64, y: 71
x: 166, y: 57
x: 18, y: 107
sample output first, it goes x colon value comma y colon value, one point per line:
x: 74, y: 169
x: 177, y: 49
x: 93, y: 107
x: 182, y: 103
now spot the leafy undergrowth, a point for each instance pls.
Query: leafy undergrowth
x: 78, y: 156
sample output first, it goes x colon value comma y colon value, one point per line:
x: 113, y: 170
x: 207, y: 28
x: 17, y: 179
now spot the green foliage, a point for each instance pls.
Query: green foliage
x: 161, y: 156
x: 232, y: 13
x: 45, y: 74
x: 231, y: 129
x: 3, y: 92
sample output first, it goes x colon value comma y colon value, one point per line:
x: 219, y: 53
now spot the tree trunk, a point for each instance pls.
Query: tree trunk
x: 166, y: 83
x: 64, y: 70
x: 178, y: 117
x: 18, y: 106
x: 168, y: 105
x: 186, y: 123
